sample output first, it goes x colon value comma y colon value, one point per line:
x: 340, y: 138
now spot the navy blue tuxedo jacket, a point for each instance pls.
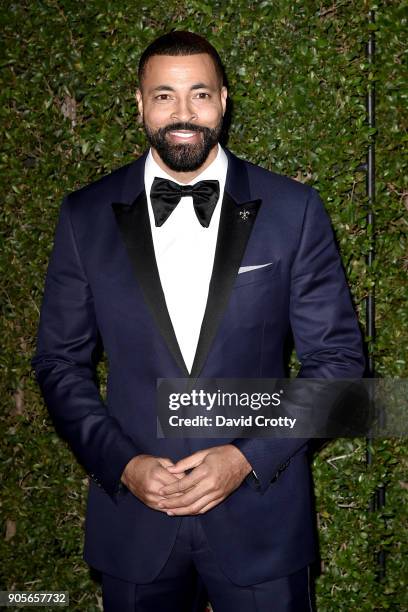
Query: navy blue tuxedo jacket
x: 103, y: 292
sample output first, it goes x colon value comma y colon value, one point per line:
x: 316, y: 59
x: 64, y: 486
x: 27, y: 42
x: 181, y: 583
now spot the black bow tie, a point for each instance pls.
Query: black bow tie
x: 165, y: 195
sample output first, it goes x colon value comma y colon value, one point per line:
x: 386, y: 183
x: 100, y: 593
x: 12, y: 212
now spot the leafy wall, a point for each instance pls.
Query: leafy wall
x: 298, y: 78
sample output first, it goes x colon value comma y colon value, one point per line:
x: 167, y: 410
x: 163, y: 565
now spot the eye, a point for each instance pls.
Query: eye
x: 162, y: 97
x: 202, y: 95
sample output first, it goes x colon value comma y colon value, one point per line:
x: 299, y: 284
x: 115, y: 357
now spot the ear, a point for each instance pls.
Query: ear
x: 139, y: 100
x: 224, y: 96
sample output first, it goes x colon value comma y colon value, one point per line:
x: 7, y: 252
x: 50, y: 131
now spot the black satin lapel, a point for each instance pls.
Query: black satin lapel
x: 134, y: 224
x: 235, y: 227
x: 237, y: 181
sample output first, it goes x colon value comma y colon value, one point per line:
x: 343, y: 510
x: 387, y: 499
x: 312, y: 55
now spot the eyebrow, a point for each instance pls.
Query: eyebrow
x: 170, y: 88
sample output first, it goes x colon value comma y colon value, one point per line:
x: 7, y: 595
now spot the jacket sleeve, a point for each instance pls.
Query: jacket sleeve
x: 325, y: 328
x: 65, y: 365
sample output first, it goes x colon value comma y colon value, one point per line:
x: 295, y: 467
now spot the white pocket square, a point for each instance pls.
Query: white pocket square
x: 250, y: 268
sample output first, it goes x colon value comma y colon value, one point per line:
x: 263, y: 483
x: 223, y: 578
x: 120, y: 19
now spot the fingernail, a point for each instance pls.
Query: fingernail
x: 170, y: 513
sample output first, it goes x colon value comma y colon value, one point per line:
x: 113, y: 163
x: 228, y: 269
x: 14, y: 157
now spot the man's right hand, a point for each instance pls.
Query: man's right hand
x: 145, y: 475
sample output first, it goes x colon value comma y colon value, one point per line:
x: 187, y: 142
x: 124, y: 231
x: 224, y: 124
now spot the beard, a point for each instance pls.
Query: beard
x: 184, y: 157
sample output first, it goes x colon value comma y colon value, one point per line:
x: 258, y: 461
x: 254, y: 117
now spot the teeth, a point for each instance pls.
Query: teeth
x: 183, y: 134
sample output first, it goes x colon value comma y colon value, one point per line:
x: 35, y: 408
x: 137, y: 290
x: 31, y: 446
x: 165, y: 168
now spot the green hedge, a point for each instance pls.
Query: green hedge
x: 298, y: 77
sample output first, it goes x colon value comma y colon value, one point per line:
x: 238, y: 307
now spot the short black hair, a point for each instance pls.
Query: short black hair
x: 181, y: 42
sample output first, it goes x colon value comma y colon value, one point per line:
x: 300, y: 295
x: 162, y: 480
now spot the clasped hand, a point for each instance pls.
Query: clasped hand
x: 193, y: 485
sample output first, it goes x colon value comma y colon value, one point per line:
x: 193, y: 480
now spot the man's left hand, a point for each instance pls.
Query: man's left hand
x: 216, y: 472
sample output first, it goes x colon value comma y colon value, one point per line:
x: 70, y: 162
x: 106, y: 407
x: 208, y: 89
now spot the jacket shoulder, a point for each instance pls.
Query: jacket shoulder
x: 276, y: 182
x: 107, y: 187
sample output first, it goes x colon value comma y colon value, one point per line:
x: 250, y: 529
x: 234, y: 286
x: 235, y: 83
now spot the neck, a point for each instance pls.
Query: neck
x: 185, y: 177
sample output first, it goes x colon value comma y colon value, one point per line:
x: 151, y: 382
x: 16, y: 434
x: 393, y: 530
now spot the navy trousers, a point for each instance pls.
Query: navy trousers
x: 191, y: 577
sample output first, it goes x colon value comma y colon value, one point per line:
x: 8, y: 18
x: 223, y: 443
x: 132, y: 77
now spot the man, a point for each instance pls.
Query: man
x: 190, y: 262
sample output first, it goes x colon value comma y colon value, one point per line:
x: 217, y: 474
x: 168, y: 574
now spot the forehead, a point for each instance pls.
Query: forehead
x: 180, y: 71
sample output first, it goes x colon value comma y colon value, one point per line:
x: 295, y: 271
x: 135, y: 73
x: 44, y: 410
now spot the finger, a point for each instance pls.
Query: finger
x: 165, y: 461
x: 186, y: 499
x: 152, y: 498
x: 187, y: 463
x: 163, y: 477
x: 195, y: 507
x: 184, y: 484
x: 212, y: 504
x: 155, y: 506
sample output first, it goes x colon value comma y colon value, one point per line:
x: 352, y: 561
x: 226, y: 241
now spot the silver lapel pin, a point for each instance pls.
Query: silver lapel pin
x: 244, y: 214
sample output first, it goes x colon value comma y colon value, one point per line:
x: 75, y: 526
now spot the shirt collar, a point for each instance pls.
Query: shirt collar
x: 217, y: 170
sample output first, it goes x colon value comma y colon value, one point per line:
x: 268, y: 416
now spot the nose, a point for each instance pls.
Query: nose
x: 184, y: 110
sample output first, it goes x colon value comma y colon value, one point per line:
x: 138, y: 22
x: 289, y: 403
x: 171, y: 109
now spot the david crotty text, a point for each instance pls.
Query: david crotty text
x: 222, y: 421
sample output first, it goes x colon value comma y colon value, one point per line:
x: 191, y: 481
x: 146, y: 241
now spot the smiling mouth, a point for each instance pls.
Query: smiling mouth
x: 184, y: 135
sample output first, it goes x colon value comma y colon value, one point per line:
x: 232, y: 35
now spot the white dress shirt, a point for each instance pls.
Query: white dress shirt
x: 184, y: 251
